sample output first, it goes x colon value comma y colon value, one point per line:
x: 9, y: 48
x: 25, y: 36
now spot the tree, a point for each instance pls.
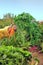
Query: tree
x: 8, y: 15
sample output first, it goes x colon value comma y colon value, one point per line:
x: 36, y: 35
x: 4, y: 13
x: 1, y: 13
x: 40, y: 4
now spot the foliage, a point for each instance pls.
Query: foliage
x: 41, y: 29
x: 5, y: 22
x: 16, y: 40
x: 10, y: 55
x: 25, y: 22
x: 29, y: 32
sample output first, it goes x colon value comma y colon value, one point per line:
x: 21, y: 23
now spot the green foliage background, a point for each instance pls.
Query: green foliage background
x: 29, y: 32
x: 28, y: 29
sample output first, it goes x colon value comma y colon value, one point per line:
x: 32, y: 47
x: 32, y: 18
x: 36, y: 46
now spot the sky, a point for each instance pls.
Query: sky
x: 34, y: 7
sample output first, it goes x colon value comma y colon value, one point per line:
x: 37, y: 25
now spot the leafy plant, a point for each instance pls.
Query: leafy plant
x: 25, y: 22
x: 13, y: 55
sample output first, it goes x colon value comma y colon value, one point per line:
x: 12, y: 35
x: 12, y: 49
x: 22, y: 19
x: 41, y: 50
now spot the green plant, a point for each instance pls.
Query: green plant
x: 10, y: 55
x: 28, y: 31
x: 25, y: 22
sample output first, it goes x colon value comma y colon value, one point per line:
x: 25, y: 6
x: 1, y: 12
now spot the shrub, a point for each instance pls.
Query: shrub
x: 26, y: 22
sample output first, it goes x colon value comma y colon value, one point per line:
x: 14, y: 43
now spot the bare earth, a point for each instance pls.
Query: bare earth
x: 39, y: 57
